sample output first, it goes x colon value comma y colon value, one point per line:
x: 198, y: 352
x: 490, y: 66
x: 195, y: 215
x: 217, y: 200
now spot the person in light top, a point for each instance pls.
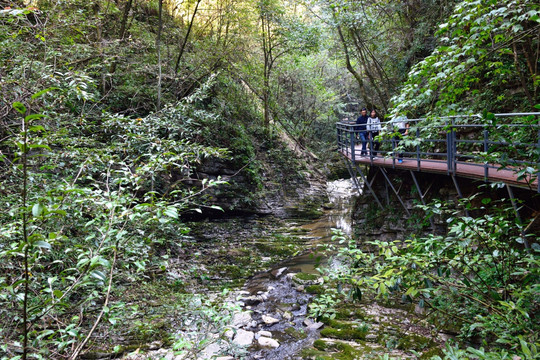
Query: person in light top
x: 373, y: 128
x: 400, y: 124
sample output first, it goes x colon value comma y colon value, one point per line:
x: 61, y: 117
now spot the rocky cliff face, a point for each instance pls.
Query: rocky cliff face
x: 276, y: 182
x: 394, y: 222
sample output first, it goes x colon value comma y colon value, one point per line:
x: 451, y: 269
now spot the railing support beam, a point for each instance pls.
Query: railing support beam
x: 395, y: 192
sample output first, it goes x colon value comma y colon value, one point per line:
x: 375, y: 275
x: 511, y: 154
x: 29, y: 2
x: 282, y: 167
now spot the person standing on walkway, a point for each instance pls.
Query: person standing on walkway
x: 362, y: 131
x: 373, y: 128
x: 402, y: 126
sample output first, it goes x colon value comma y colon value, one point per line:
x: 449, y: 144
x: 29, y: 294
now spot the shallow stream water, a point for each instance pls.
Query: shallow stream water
x: 286, y: 299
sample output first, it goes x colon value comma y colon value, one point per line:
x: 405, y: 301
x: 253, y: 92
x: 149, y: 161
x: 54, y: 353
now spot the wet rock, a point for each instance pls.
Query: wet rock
x: 225, y: 358
x: 268, y: 320
x: 264, y: 341
x: 241, y: 319
x: 306, y: 279
x: 210, y: 351
x: 371, y: 337
x: 287, y: 315
x: 307, y: 322
x: 278, y: 272
x: 271, y: 288
x: 315, y: 326
x: 296, y: 307
x: 252, y: 300
x: 265, y: 333
x: 244, y: 293
x: 243, y: 337
x: 300, y: 288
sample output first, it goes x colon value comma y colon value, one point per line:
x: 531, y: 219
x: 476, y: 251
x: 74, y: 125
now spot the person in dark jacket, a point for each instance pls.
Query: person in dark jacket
x: 362, y: 130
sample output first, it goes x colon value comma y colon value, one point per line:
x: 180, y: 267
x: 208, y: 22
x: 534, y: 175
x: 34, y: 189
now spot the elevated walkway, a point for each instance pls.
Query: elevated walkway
x: 473, y: 147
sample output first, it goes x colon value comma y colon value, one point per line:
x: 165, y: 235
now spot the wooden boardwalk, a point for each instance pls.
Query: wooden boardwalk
x: 467, y: 170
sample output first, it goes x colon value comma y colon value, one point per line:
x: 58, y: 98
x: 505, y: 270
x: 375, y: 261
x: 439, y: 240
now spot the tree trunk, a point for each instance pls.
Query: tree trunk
x: 158, y: 44
x: 183, y: 46
x: 350, y: 68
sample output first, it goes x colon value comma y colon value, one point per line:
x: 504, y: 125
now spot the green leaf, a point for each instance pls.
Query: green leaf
x: 19, y: 107
x: 37, y: 209
x: 42, y: 92
x: 33, y: 117
x: 42, y: 244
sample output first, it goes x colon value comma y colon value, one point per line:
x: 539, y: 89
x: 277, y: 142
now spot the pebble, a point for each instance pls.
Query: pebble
x: 268, y: 320
x: 241, y: 319
x: 265, y: 333
x: 300, y: 288
x: 287, y: 315
x: 315, y: 326
x: 264, y: 341
x: 243, y: 337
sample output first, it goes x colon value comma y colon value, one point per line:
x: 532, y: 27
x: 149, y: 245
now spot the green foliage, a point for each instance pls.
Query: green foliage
x: 483, y: 50
x: 87, y: 213
x: 479, y: 277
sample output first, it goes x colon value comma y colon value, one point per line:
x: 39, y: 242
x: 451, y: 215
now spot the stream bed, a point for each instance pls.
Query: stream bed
x: 271, y: 265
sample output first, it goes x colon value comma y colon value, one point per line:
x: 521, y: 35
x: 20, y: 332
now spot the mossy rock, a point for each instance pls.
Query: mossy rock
x: 315, y: 289
x: 270, y: 249
x: 295, y: 333
x: 327, y: 351
x: 415, y: 342
x: 320, y: 344
x: 344, y: 333
x: 305, y: 279
x: 434, y: 351
x: 350, y: 312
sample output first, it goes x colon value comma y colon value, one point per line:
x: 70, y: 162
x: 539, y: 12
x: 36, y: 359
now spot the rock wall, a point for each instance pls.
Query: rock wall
x: 393, y: 222
x: 282, y: 183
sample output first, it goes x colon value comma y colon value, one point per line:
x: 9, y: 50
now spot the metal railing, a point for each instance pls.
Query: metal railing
x: 456, y: 140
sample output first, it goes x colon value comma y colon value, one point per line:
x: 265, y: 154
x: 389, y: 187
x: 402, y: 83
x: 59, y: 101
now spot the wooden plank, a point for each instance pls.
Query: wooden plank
x: 467, y: 170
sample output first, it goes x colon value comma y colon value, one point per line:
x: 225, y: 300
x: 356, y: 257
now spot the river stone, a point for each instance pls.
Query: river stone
x: 308, y: 322
x: 296, y: 307
x: 278, y: 272
x: 252, y: 300
x: 264, y: 341
x: 241, y: 319
x: 315, y: 326
x: 243, y: 337
x: 210, y: 351
x: 225, y: 358
x: 265, y: 333
x: 268, y: 320
x: 287, y: 315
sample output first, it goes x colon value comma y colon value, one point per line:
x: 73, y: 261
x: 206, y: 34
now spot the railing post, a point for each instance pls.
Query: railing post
x: 454, y: 147
x: 448, y: 148
x: 538, y: 163
x: 486, y: 148
x: 418, y: 148
x: 353, y: 140
x: 370, y: 134
x: 393, y: 151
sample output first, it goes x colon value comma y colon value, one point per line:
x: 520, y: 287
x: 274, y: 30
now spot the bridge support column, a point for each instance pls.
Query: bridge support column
x: 422, y: 195
x: 395, y: 192
x: 353, y: 169
x: 516, y: 210
x: 460, y: 195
